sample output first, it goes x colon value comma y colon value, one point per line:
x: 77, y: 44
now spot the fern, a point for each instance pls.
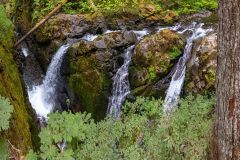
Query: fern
x: 5, y: 113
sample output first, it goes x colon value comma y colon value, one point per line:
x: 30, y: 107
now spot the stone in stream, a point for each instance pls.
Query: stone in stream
x: 201, y: 69
x: 91, y: 65
x: 153, y: 58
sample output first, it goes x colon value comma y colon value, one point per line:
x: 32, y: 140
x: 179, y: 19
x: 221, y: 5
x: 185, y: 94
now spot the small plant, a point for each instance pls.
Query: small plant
x: 152, y: 73
x: 175, y: 52
x: 6, y: 110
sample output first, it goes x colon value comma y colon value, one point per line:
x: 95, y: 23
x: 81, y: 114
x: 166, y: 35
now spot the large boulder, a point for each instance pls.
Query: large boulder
x: 64, y: 26
x: 201, y: 69
x: 153, y: 59
x: 91, y: 66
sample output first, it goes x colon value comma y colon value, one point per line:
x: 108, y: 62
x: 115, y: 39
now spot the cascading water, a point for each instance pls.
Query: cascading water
x: 42, y: 97
x: 174, y: 90
x: 121, y: 86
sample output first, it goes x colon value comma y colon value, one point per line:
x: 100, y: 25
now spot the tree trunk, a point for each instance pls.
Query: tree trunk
x: 227, y: 126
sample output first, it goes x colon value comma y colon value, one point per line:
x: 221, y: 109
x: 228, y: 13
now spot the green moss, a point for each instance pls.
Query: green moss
x: 6, y: 29
x: 3, y: 150
x: 174, y: 52
x: 210, y: 77
x: 90, y: 83
x: 11, y: 87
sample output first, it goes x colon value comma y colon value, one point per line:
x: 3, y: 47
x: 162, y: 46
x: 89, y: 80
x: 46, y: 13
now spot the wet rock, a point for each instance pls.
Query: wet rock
x: 91, y: 66
x: 152, y: 60
x: 201, y: 69
x: 63, y: 26
x: 114, y: 40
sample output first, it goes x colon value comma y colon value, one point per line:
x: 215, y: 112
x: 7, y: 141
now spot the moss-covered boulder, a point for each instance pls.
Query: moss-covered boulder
x: 201, y: 69
x: 152, y: 60
x: 91, y: 66
x: 64, y: 26
x: 11, y: 87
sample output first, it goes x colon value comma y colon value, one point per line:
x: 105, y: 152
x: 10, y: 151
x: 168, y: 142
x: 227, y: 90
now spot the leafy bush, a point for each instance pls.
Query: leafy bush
x: 6, y: 110
x: 141, y: 133
x: 118, y: 7
x: 189, y: 6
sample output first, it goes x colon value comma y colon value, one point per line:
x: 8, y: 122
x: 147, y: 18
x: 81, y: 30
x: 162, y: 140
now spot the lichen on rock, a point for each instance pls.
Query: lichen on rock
x: 201, y: 69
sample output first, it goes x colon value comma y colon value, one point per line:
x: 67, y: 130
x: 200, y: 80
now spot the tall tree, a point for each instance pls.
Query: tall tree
x: 227, y: 126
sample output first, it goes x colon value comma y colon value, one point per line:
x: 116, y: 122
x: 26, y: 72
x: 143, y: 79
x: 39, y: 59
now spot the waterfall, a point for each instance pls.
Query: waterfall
x: 42, y: 97
x: 176, y: 84
x: 121, y: 86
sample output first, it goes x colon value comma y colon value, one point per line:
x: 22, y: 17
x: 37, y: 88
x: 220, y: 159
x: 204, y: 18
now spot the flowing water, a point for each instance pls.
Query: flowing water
x: 174, y: 90
x: 121, y: 86
x: 43, y: 97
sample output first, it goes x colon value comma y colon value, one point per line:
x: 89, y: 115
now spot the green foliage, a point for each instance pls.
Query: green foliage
x: 175, y: 52
x: 3, y: 150
x: 6, y: 110
x: 189, y: 6
x: 119, y: 7
x: 43, y: 7
x: 152, y: 73
x: 6, y: 28
x: 143, y: 132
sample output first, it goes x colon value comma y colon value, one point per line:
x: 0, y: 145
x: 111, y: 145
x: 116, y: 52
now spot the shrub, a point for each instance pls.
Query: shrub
x: 141, y: 133
x: 118, y: 7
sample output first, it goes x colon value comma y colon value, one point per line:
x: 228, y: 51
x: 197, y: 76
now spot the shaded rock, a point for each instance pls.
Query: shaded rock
x: 201, y: 69
x: 91, y: 66
x: 152, y: 60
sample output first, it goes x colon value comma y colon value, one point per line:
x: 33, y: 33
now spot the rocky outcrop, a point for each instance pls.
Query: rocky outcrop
x: 201, y: 69
x: 91, y: 66
x: 63, y: 26
x: 153, y: 59
x: 21, y: 123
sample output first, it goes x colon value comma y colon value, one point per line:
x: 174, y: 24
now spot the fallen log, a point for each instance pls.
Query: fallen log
x: 49, y: 15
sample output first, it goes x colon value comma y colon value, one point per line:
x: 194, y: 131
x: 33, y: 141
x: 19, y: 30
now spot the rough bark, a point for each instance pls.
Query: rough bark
x: 227, y: 126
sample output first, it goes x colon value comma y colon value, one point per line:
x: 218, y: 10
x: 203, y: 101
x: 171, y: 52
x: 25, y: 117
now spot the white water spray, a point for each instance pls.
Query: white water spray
x: 43, y: 97
x: 174, y: 90
x: 121, y: 86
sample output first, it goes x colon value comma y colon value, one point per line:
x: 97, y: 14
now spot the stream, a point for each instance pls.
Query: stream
x: 43, y: 93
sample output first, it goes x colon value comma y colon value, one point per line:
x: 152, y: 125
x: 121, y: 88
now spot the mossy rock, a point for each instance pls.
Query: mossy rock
x: 89, y: 81
x: 201, y: 69
x: 153, y: 59
x: 11, y: 87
